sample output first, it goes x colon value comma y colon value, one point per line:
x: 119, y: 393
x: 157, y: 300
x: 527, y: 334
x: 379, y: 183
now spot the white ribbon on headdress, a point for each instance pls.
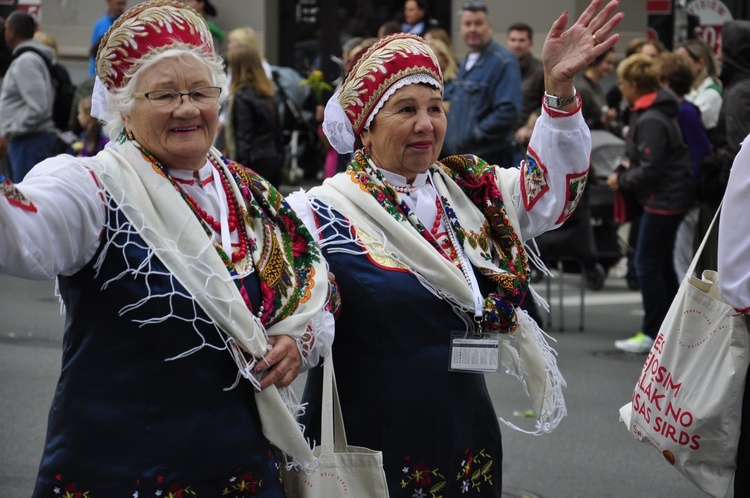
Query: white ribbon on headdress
x: 99, y: 107
x: 337, y: 127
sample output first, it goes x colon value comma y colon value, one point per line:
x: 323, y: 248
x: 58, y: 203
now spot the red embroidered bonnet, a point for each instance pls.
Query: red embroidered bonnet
x: 145, y: 30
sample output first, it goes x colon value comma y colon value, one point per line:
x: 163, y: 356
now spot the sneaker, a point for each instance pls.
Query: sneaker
x: 639, y: 343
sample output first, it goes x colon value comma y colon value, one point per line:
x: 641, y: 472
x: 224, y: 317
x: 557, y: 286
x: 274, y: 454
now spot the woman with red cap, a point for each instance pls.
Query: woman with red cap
x: 193, y: 293
x: 429, y: 259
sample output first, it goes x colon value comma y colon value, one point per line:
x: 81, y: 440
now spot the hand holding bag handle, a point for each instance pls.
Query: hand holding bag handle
x: 343, y: 471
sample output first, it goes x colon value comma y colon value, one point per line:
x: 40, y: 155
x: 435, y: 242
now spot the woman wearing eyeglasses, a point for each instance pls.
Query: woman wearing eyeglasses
x: 193, y: 293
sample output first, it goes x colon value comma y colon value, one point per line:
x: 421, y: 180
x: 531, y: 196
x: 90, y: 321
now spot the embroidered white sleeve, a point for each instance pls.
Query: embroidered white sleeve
x: 63, y: 234
x: 561, y: 148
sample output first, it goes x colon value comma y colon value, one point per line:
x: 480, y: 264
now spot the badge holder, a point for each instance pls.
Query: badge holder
x: 474, y: 352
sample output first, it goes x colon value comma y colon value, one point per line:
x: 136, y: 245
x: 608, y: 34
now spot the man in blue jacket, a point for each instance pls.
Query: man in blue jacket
x: 486, y: 97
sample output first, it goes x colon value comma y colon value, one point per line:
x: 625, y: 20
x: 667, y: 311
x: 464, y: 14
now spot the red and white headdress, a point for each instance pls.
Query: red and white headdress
x: 390, y: 63
x: 145, y: 30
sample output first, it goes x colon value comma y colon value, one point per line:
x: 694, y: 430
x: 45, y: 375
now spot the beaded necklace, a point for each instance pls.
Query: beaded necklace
x: 408, y: 189
x: 235, y: 220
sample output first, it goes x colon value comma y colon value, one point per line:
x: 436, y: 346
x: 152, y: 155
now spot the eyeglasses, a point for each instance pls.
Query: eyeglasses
x: 202, y: 97
x: 474, y: 6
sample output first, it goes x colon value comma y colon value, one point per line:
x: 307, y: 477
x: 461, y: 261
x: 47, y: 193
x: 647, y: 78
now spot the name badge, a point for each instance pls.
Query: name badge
x: 474, y: 352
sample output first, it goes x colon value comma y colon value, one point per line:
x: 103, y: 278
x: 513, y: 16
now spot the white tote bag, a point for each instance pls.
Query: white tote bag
x: 344, y: 471
x: 687, y: 404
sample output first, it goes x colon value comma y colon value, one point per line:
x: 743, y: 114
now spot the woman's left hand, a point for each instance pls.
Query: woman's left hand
x: 281, y: 364
x: 567, y: 52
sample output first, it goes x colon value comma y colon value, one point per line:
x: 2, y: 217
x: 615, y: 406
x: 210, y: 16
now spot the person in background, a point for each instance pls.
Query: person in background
x: 388, y: 28
x: 734, y: 121
x: 253, y: 130
x: 84, y: 89
x: 485, y: 98
x: 416, y: 17
x: 639, y: 45
x: 734, y: 282
x: 677, y: 75
x: 439, y: 33
x: 206, y: 9
x: 422, y: 247
x: 706, y: 91
x: 49, y: 40
x: 520, y: 40
x: 93, y: 139
x: 596, y: 112
x: 115, y: 8
x: 26, y: 99
x: 446, y: 59
x: 192, y: 291
x: 658, y: 171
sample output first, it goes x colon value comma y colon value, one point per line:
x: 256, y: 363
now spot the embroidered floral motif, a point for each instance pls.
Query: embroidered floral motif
x: 534, y: 183
x: 476, y: 178
x: 15, y: 196
x: 422, y: 480
x: 476, y: 470
x: 242, y: 484
x: 576, y: 185
x: 69, y: 490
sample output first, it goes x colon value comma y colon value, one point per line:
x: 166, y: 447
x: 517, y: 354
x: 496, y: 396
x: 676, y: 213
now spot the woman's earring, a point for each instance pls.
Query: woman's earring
x: 366, y: 150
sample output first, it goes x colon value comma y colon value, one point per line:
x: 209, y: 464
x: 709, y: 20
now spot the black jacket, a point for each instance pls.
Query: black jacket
x: 256, y: 127
x: 660, y: 161
x: 734, y: 118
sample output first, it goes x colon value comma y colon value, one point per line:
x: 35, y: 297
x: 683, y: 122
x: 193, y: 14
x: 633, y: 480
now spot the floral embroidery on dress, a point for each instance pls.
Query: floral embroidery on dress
x: 534, y: 183
x: 15, y: 196
x: 425, y: 482
x: 576, y: 185
x: 69, y: 490
x: 242, y: 484
x: 422, y: 480
x: 476, y: 470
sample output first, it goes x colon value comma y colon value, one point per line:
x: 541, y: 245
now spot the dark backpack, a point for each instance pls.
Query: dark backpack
x: 64, y: 89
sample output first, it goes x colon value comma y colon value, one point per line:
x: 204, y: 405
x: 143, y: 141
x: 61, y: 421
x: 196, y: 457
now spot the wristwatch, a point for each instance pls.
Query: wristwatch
x: 555, y: 102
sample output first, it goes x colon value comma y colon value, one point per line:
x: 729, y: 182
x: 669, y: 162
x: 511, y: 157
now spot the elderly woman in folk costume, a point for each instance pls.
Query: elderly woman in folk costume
x: 429, y: 259
x: 193, y: 293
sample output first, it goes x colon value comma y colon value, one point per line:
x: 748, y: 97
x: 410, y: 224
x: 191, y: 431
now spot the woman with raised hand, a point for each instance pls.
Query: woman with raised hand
x: 429, y: 258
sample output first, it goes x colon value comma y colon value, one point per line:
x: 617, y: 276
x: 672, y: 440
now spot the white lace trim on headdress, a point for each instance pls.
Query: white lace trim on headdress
x: 99, y: 107
x: 337, y: 127
x: 408, y: 80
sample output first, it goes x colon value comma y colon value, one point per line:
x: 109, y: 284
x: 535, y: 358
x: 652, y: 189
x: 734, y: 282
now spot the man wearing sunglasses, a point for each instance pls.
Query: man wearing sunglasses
x: 485, y: 99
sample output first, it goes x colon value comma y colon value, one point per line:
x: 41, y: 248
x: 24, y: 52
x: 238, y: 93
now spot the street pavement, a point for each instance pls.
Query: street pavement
x: 590, y: 454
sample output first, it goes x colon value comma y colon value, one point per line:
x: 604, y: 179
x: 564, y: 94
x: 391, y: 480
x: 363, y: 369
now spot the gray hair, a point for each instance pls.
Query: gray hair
x: 120, y: 101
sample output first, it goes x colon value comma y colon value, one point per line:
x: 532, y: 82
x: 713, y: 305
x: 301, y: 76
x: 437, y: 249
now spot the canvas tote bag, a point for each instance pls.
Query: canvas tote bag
x: 687, y: 404
x: 343, y: 471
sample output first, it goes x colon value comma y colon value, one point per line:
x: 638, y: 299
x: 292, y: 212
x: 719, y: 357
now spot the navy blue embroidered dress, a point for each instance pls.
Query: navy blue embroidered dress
x: 391, y: 358
x: 180, y: 429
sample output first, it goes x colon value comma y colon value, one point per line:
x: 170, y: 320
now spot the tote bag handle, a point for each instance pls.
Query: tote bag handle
x: 694, y: 263
x: 332, y: 431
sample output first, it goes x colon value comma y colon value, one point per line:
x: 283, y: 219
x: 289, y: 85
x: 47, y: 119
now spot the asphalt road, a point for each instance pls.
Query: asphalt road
x: 590, y: 454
